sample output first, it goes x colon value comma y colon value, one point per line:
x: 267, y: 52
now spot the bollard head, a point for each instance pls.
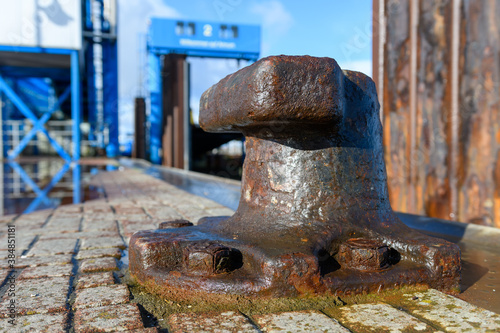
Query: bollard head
x: 290, y: 90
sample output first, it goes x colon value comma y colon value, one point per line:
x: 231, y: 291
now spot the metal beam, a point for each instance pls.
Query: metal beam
x: 155, y: 108
x: 29, y: 49
x: 110, y: 96
x: 77, y: 192
x: 76, y: 117
x: 75, y: 104
x: 139, y: 150
x: 1, y: 127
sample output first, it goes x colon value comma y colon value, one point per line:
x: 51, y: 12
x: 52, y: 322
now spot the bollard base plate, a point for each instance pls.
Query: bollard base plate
x: 196, y: 260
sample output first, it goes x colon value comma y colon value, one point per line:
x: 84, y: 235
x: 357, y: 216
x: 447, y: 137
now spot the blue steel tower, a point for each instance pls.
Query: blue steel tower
x: 58, y: 62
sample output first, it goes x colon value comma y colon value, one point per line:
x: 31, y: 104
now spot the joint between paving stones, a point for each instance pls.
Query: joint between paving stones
x: 71, y: 288
x: 30, y: 246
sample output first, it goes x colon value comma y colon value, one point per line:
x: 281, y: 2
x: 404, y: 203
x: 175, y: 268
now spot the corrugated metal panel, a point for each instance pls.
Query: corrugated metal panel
x: 439, y: 64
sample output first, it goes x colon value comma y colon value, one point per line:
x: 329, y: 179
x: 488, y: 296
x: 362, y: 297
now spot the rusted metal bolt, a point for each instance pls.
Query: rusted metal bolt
x: 209, y: 259
x: 364, y: 255
x: 175, y: 224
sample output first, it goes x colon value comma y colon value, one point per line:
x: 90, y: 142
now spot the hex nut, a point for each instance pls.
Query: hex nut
x: 209, y: 259
x: 364, y: 255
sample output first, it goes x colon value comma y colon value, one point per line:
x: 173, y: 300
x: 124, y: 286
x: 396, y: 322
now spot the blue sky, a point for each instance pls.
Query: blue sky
x: 328, y: 28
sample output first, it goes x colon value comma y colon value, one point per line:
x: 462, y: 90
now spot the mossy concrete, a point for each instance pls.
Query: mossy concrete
x: 165, y: 305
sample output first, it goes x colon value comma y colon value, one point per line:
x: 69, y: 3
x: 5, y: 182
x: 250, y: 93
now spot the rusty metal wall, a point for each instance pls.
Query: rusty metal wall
x: 436, y: 64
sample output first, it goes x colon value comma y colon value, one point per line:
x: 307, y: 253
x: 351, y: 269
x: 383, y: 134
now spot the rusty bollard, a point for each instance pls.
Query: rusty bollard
x: 314, y: 215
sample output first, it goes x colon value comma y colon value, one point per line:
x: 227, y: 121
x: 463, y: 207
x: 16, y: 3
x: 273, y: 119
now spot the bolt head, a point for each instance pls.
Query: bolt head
x: 208, y: 259
x: 364, y: 255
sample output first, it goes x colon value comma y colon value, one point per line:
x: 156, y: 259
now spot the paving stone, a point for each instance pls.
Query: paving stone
x: 108, y: 224
x: 99, y: 253
x: 7, y: 218
x: 298, y: 321
x: 98, y: 264
x: 64, y: 224
x: 131, y: 228
x: 379, y: 317
x: 132, y: 218
x: 33, y: 231
x: 23, y: 261
x: 101, y: 296
x: 45, y: 271
x: 210, y: 322
x: 102, y: 242
x: 451, y: 313
x: 22, y: 227
x: 163, y: 213
x: 220, y: 212
x: 111, y: 318
x: 21, y: 242
x: 50, y: 323
x: 81, y: 235
x: 63, y: 217
x: 146, y: 202
x: 76, y: 208
x: 96, y: 208
x: 97, y: 211
x: 95, y: 280
x: 190, y: 208
x: 140, y: 223
x: 120, y: 210
x: 51, y: 247
x: 39, y: 296
x: 118, y: 200
x: 35, y: 217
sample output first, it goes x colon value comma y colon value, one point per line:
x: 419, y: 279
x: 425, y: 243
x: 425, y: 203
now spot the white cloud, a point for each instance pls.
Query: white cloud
x: 274, y: 16
x: 132, y: 27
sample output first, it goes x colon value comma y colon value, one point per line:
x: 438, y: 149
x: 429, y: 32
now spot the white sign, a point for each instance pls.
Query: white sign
x: 41, y: 23
x: 206, y: 43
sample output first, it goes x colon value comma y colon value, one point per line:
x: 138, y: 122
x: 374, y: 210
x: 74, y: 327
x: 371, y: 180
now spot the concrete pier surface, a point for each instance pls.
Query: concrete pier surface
x: 65, y: 270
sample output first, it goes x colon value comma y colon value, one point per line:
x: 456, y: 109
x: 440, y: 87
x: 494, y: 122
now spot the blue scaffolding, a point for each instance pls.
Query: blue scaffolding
x: 100, y: 54
x: 37, y: 81
x: 19, y: 66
